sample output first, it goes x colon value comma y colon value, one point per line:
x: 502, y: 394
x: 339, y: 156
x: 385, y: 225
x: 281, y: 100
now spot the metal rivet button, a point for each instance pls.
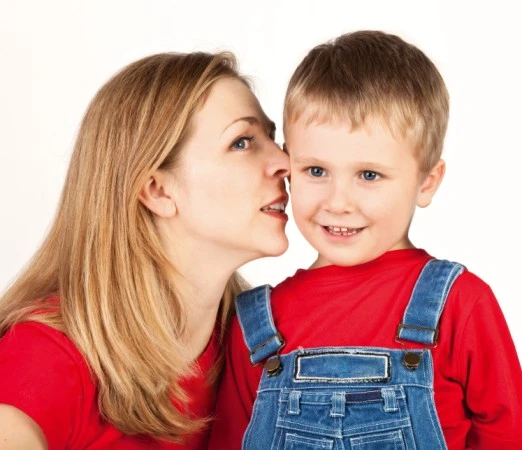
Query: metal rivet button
x: 273, y: 367
x: 412, y: 360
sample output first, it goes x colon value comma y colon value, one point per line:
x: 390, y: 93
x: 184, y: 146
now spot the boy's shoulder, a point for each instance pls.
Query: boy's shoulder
x: 469, y: 292
x: 467, y: 289
x: 470, y: 281
x: 466, y: 284
x: 292, y: 280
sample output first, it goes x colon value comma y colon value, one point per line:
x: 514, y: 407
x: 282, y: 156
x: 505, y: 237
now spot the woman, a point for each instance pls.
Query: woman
x: 109, y: 335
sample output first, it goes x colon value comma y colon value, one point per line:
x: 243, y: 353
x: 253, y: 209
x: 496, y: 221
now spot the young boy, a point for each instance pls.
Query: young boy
x: 377, y: 345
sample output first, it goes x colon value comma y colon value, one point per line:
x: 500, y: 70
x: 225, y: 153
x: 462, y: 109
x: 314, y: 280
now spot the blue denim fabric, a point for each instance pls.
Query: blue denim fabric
x: 347, y: 397
x: 428, y: 300
x: 265, y: 341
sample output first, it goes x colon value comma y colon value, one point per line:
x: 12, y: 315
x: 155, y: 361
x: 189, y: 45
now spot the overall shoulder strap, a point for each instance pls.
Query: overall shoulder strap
x: 255, y: 317
x: 422, y: 315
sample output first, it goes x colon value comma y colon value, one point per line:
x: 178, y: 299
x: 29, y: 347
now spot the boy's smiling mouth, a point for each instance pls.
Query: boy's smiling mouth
x: 342, y: 231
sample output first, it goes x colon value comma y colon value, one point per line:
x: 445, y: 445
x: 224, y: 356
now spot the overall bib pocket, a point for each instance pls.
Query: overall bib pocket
x: 362, y: 419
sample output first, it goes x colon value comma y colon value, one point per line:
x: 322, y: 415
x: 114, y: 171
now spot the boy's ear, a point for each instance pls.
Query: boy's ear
x: 430, y: 184
x: 157, y: 194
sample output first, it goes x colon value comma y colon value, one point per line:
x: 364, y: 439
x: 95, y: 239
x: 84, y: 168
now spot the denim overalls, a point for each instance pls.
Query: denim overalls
x: 360, y: 398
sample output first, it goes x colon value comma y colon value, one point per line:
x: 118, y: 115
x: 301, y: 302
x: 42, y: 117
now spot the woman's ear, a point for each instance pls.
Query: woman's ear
x: 430, y: 184
x: 157, y: 194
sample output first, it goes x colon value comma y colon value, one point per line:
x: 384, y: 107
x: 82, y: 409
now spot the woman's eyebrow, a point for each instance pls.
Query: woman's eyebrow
x: 250, y: 119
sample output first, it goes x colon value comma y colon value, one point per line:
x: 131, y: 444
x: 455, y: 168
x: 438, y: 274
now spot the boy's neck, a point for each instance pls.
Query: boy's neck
x: 321, y: 261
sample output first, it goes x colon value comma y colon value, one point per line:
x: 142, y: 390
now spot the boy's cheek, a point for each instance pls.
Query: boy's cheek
x: 303, y: 191
x: 293, y: 181
x: 303, y: 202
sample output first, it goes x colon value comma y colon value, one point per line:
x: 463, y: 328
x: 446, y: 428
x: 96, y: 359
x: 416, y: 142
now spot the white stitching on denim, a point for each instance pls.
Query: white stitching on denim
x: 279, y: 434
x: 450, y: 278
x: 313, y: 388
x: 394, y: 436
x: 299, y: 378
x: 445, y: 292
x: 436, y: 428
x: 403, y: 423
x: 323, y: 443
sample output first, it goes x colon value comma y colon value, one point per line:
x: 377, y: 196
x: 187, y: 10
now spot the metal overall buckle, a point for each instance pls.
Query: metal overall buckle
x: 272, y: 365
x: 412, y: 359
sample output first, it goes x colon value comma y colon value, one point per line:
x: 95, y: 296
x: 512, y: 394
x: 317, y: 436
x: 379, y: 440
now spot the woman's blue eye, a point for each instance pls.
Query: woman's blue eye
x: 316, y: 171
x: 243, y: 143
x: 369, y: 175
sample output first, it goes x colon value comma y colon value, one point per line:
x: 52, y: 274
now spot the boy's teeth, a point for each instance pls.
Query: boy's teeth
x: 343, y: 230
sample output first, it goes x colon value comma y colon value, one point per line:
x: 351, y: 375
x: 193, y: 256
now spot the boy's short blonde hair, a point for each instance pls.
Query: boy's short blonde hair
x: 373, y: 74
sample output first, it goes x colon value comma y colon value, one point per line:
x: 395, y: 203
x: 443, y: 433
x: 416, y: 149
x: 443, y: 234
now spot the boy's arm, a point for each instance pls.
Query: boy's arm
x: 490, y: 371
x: 236, y: 395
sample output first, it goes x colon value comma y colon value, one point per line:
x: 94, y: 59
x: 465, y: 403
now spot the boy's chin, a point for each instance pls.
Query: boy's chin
x: 342, y: 260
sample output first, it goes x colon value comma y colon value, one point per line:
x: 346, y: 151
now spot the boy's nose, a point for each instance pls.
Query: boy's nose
x: 340, y: 200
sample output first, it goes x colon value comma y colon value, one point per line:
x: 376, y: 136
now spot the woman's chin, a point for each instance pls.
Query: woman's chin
x: 276, y: 247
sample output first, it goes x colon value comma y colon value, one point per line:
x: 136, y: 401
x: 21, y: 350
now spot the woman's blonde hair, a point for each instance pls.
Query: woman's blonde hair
x: 373, y: 74
x: 103, y: 257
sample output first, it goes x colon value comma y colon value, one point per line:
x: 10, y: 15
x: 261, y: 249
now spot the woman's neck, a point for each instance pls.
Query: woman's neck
x: 202, y: 270
x: 200, y: 294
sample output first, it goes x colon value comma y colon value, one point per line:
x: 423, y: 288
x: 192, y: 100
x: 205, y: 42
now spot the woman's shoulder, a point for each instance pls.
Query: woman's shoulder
x: 35, y: 353
x: 34, y: 341
x: 44, y: 375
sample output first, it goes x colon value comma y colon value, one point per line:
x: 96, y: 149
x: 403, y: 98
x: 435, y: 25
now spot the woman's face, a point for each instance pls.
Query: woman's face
x: 230, y: 178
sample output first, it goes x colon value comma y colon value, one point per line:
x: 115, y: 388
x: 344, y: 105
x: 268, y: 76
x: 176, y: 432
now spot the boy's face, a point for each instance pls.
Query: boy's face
x: 354, y: 192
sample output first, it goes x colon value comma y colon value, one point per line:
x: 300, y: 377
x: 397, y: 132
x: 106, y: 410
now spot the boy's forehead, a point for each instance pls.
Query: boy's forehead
x: 341, y: 143
x: 373, y: 125
x: 336, y: 126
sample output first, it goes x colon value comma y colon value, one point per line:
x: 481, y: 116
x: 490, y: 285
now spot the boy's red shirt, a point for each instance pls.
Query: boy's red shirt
x: 44, y: 375
x: 478, y: 380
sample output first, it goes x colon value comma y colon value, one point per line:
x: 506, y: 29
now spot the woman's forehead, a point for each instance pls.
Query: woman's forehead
x: 228, y: 101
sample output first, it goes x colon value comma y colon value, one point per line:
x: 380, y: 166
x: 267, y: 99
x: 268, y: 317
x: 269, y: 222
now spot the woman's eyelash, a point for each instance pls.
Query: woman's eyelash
x: 242, y: 143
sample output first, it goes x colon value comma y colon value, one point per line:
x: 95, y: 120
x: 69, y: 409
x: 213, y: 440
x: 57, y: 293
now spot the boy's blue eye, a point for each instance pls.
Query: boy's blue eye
x: 369, y: 175
x: 316, y: 171
x: 243, y: 143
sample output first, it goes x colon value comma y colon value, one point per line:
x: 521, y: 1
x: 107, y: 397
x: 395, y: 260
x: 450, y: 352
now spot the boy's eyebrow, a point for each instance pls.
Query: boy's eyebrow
x: 374, y: 165
x: 306, y: 160
x: 362, y: 165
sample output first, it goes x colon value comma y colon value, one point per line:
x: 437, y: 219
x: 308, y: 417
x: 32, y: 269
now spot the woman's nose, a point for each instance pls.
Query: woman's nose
x: 279, y: 162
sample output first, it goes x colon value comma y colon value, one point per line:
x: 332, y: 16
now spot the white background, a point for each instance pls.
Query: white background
x: 55, y: 54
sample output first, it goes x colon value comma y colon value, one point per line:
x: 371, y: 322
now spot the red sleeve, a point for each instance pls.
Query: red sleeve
x: 39, y: 377
x: 236, y: 395
x: 490, y: 371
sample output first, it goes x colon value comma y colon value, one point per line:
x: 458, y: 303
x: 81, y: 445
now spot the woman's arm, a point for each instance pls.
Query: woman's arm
x: 18, y: 431
x: 44, y: 384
